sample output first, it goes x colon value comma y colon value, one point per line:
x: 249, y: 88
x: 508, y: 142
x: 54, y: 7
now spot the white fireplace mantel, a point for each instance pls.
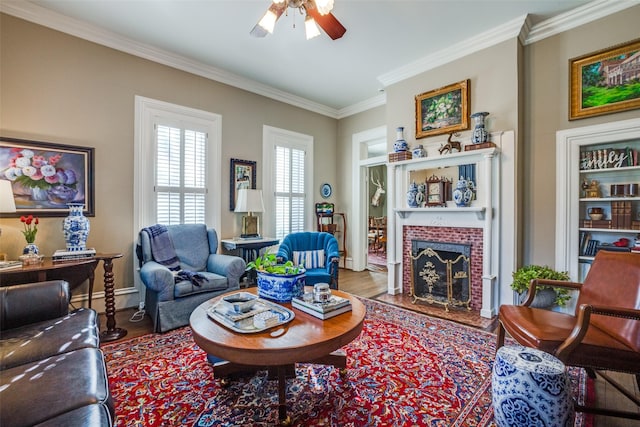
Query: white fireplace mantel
x: 494, y: 210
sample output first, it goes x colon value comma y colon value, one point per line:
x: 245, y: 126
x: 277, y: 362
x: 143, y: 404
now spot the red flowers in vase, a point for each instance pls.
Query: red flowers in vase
x: 30, y: 227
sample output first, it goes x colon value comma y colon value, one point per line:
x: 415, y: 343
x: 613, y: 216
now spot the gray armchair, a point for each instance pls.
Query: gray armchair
x: 170, y: 295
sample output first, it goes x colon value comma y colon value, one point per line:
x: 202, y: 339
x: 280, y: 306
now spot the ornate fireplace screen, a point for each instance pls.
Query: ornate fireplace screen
x: 441, y: 273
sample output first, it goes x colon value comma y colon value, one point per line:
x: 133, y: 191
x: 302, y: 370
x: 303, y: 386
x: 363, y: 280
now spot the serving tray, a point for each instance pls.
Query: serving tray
x: 243, y: 323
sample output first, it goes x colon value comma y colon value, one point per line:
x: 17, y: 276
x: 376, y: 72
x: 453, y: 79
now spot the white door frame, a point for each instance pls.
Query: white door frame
x: 360, y: 143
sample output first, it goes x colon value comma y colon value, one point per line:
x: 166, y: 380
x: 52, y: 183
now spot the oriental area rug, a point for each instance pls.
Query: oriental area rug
x: 405, y: 369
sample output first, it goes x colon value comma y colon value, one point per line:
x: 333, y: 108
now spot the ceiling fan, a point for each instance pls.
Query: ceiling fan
x: 318, y: 12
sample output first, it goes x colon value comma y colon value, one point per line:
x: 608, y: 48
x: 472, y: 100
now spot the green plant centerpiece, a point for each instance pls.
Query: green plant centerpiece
x: 278, y: 282
x: 523, y: 276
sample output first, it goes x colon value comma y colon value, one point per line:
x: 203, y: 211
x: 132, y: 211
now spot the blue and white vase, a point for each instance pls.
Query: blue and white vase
x: 411, y: 195
x: 463, y: 194
x: 400, y: 144
x: 76, y: 228
x: 30, y: 249
x: 480, y: 134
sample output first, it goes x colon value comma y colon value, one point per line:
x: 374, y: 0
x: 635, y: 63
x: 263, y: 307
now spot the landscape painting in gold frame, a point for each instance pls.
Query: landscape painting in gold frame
x: 604, y: 82
x: 443, y: 110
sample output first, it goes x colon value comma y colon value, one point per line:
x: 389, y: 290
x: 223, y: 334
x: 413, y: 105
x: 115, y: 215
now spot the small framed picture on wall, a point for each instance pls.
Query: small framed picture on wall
x: 243, y: 175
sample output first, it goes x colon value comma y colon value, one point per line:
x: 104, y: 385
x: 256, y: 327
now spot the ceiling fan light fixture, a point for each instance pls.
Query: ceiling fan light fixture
x: 324, y: 6
x: 311, y: 28
x: 268, y: 21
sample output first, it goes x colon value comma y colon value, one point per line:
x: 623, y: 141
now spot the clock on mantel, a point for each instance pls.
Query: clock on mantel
x: 435, y: 191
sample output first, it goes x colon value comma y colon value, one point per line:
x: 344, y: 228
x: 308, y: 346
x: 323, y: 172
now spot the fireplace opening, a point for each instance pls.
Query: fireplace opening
x: 441, y: 273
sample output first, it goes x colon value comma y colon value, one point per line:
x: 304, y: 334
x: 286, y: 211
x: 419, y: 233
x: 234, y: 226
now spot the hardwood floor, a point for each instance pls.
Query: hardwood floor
x: 373, y: 284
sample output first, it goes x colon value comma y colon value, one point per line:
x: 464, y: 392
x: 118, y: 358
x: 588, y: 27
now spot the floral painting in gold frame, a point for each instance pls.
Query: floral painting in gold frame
x: 443, y: 110
x: 604, y: 82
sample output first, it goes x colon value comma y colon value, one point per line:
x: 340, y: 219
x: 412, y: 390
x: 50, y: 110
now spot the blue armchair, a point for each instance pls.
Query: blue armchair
x: 317, y: 251
x: 171, y: 296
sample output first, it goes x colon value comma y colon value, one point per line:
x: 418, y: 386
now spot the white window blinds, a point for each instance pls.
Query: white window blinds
x: 289, y: 190
x: 180, y: 175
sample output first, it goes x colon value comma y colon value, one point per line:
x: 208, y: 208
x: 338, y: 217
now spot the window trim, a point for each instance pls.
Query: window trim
x: 272, y: 137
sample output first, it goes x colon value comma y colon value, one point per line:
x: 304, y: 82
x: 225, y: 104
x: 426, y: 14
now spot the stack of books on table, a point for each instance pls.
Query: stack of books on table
x: 4, y: 265
x: 62, y: 255
x: 336, y: 305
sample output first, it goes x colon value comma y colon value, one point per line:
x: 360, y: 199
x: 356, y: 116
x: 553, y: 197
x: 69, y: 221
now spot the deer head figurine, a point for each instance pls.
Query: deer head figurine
x: 375, y: 200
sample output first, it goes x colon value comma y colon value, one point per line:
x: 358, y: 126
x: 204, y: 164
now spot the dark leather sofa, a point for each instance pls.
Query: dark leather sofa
x: 52, y: 372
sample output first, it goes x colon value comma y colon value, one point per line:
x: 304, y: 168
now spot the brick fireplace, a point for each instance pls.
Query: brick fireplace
x: 459, y: 235
x: 489, y: 225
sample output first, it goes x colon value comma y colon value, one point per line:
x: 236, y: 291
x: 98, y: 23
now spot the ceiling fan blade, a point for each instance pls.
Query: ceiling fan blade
x: 328, y: 23
x: 258, y: 30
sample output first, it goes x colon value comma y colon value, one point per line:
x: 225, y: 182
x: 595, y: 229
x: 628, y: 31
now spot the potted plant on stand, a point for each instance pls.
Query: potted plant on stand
x: 278, y: 282
x: 546, y: 296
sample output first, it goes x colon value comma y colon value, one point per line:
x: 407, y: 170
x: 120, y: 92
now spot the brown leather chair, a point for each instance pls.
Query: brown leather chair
x: 604, y: 333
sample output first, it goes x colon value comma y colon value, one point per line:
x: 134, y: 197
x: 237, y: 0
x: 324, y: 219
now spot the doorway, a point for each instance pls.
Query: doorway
x: 377, y: 218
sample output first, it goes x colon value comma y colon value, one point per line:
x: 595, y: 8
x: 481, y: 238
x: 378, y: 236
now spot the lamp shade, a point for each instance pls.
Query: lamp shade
x: 249, y: 201
x: 7, y: 204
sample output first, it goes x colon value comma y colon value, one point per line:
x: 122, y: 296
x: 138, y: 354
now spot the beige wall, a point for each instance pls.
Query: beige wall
x: 546, y: 111
x: 494, y: 79
x: 58, y: 88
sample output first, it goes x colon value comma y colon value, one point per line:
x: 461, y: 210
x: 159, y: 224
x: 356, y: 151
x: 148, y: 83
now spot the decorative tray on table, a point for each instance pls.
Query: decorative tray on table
x: 245, y: 313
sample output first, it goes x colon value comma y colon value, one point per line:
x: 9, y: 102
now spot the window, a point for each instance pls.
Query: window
x: 177, y: 164
x: 287, y: 182
x: 180, y: 185
x: 289, y: 191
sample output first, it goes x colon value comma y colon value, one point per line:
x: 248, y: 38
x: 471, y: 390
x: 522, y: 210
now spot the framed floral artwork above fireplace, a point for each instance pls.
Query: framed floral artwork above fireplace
x: 46, y: 176
x: 443, y: 110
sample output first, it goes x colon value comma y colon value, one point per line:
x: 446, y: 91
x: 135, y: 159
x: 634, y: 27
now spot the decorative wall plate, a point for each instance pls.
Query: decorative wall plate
x: 325, y: 190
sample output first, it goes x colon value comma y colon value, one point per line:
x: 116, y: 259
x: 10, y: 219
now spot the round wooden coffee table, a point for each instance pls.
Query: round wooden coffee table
x: 306, y: 339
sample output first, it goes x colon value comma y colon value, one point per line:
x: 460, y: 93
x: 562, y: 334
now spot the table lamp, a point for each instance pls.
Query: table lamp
x: 249, y: 201
x: 7, y: 204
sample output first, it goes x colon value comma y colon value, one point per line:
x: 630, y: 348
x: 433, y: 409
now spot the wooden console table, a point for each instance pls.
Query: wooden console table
x: 75, y: 272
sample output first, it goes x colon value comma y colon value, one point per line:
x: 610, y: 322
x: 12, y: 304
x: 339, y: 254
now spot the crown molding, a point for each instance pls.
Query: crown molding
x: 575, y: 17
x: 361, y: 106
x: 42, y: 16
x: 466, y: 47
x: 520, y: 27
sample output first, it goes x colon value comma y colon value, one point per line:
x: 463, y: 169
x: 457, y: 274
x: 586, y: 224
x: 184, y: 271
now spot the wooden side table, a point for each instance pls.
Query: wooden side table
x: 112, y: 333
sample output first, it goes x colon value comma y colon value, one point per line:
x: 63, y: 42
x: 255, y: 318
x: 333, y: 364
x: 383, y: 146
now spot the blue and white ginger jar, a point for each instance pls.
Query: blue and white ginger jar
x: 463, y: 194
x: 412, y: 202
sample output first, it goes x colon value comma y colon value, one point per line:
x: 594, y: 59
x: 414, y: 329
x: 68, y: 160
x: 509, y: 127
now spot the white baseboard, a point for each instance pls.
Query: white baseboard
x: 125, y: 298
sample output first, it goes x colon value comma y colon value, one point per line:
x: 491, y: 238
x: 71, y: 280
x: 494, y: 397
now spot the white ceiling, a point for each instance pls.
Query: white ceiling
x: 385, y: 42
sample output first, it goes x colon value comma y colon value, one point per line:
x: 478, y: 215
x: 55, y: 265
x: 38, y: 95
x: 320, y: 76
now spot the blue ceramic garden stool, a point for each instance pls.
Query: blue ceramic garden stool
x: 530, y: 388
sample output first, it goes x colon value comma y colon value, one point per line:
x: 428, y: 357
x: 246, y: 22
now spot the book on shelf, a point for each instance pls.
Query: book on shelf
x: 334, y: 303
x: 320, y: 315
x: 4, y: 265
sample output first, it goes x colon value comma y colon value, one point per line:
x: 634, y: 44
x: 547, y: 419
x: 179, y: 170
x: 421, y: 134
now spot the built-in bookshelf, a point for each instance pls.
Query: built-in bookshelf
x: 598, y: 194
